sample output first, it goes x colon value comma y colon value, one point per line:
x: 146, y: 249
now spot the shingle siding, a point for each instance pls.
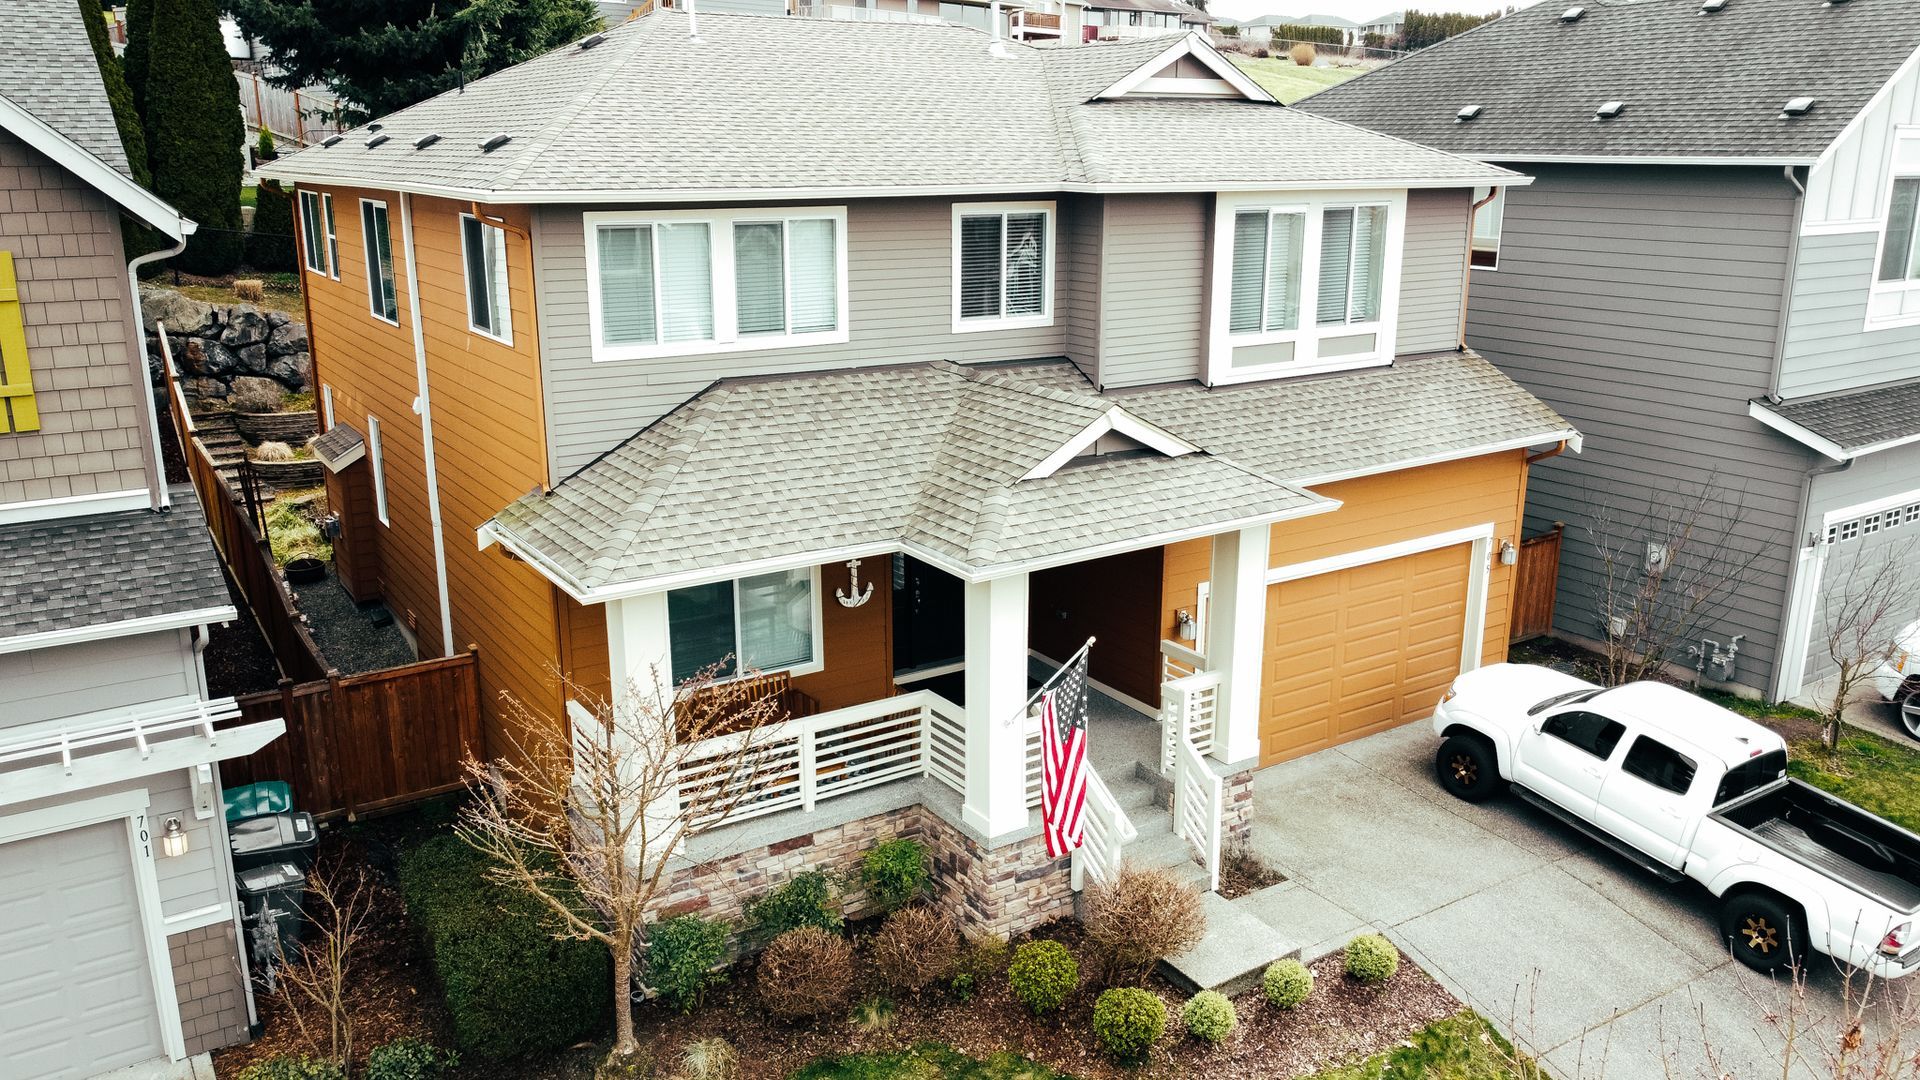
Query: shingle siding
x: 1433, y: 269
x: 1153, y: 288
x: 1828, y: 345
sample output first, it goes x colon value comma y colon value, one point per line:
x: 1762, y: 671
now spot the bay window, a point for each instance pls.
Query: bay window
x: 1002, y: 265
x: 766, y: 623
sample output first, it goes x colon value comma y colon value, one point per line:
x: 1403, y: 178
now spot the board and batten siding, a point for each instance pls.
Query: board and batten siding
x: 900, y: 310
x: 1642, y: 303
x: 1433, y: 270
x: 1829, y: 347
x: 1868, y: 480
x: 89, y: 676
x: 1848, y: 185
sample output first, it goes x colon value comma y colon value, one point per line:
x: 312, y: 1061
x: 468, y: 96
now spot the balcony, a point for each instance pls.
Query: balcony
x: 1034, y: 25
x: 851, y: 13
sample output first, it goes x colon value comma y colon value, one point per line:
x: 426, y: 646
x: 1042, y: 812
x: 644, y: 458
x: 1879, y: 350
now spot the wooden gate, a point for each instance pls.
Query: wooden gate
x: 1535, y: 580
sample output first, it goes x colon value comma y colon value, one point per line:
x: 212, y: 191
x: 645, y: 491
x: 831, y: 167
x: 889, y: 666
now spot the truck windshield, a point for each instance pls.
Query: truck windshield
x: 1751, y: 776
x: 1581, y: 694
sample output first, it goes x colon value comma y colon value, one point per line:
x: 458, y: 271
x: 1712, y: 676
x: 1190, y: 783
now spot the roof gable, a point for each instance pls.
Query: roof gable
x: 1189, y: 67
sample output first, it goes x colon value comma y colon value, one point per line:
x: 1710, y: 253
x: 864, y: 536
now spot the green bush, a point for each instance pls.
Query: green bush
x: 1042, y: 974
x: 263, y: 148
x: 1287, y: 983
x: 807, y: 899
x: 1128, y: 1021
x: 894, y: 872
x: 270, y: 243
x: 288, y: 1067
x: 195, y: 135
x: 511, y: 987
x: 1372, y: 958
x: 682, y: 954
x: 1208, y: 1016
x: 409, y: 1059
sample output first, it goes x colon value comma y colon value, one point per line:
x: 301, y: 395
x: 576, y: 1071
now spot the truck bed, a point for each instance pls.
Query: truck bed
x: 1835, y: 838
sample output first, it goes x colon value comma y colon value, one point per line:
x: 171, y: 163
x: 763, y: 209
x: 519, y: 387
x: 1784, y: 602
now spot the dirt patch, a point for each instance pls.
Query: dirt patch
x: 1242, y: 872
x: 238, y: 659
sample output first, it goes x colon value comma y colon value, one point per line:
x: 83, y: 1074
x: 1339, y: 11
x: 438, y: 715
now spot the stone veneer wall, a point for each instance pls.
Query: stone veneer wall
x: 1236, y: 812
x: 207, y: 982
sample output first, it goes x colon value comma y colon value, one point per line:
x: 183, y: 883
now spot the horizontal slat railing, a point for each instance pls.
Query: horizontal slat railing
x: 1197, y: 808
x: 1106, y: 831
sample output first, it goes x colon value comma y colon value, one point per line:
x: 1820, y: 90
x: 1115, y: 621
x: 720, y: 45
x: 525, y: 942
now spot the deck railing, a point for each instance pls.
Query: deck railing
x: 1189, y: 703
x: 1197, y: 808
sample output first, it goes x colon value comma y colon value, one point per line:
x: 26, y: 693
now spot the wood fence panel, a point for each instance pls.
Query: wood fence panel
x: 1535, y: 581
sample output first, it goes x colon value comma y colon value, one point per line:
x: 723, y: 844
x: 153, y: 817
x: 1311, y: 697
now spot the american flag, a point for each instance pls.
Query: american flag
x: 1063, y: 756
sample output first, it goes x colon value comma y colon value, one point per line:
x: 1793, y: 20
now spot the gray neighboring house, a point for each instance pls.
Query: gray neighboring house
x: 119, y: 937
x: 1714, y: 277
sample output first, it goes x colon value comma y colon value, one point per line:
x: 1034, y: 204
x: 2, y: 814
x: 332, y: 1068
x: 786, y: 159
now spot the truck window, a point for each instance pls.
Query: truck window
x: 1591, y: 732
x: 1751, y: 776
x: 1660, y: 765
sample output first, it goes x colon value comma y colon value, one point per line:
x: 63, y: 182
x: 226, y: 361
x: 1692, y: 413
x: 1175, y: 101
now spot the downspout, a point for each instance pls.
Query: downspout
x: 1466, y: 278
x: 201, y: 637
x: 1774, y: 376
x: 423, y: 405
x: 1786, y: 294
x: 160, y: 498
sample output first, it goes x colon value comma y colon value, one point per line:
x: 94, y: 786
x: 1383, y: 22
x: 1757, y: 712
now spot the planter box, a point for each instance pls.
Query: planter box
x: 291, y: 474
x: 292, y: 428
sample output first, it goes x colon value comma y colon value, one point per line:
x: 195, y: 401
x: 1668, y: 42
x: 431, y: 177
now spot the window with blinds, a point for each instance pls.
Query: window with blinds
x: 381, y: 297
x: 786, y: 276
x: 1267, y: 250
x: 760, y: 624
x: 484, y: 247
x: 313, y: 232
x: 1353, y: 244
x: 1003, y: 266
x: 1302, y: 287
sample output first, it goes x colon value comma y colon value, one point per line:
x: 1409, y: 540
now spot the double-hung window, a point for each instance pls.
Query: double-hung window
x: 766, y: 623
x: 670, y: 283
x: 313, y: 233
x: 484, y: 248
x: 1002, y: 265
x: 381, y: 297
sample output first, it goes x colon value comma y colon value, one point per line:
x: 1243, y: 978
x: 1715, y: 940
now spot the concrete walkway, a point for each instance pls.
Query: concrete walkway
x: 1595, y: 966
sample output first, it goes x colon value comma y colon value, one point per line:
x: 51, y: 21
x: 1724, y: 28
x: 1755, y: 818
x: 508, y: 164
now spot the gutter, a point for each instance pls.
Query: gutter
x: 423, y: 406
x: 1786, y: 293
x: 162, y: 498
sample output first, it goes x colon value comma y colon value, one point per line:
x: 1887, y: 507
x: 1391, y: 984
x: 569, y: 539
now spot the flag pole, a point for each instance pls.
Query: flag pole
x: 1071, y: 660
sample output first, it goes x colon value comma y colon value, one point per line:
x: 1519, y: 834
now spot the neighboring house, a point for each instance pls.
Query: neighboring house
x: 1022, y: 20
x: 1118, y: 19
x: 1714, y: 285
x: 885, y: 403
x: 1391, y: 25
x: 117, y: 948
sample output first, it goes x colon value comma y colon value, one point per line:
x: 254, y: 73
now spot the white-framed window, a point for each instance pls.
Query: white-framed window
x: 1308, y: 283
x: 1894, y: 297
x: 382, y: 300
x: 1003, y: 257
x: 765, y: 623
x: 1487, y: 223
x: 672, y: 283
x: 333, y: 237
x: 483, y: 249
x: 313, y: 233
x: 378, y: 463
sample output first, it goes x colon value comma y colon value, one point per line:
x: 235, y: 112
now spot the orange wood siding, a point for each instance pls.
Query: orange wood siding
x: 356, y: 551
x: 583, y: 645
x: 1116, y: 600
x: 1188, y: 563
x: 858, y: 650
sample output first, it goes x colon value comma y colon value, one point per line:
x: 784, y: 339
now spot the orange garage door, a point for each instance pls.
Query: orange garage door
x: 1357, y: 651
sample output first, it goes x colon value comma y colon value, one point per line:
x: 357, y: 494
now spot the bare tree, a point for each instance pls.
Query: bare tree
x: 1862, y: 614
x: 1668, y: 571
x: 338, y: 906
x: 595, y: 816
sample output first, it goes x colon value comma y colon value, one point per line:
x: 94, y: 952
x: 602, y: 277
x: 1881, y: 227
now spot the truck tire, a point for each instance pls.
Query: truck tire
x: 1468, y: 768
x: 1910, y: 713
x: 1764, y: 931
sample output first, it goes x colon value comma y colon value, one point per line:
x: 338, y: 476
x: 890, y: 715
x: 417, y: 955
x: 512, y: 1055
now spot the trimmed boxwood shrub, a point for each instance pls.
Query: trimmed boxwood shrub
x: 510, y: 986
x: 288, y: 1067
x: 807, y: 899
x: 1209, y: 1016
x: 682, y: 955
x: 1372, y: 958
x: 409, y: 1059
x: 1128, y: 1021
x: 894, y: 872
x: 1042, y: 974
x: 1287, y: 983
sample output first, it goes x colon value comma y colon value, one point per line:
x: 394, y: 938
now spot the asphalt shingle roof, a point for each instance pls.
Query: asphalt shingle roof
x: 47, y: 68
x: 1858, y: 419
x: 843, y: 106
x: 1694, y: 85
x: 932, y: 455
x: 70, y: 573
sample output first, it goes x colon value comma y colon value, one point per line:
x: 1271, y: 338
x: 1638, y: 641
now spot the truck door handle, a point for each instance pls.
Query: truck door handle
x: 1593, y: 771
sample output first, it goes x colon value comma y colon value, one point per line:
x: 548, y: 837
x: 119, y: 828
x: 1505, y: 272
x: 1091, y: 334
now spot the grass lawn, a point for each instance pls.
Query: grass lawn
x: 275, y: 298
x: 1873, y: 773
x: 926, y: 1062
x: 1289, y: 81
x: 1461, y: 1047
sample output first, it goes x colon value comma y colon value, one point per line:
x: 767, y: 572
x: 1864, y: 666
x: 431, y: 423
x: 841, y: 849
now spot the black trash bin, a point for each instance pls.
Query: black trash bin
x: 271, y: 898
x: 273, y: 838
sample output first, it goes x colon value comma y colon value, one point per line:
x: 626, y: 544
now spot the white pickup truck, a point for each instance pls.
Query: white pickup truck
x: 1688, y: 789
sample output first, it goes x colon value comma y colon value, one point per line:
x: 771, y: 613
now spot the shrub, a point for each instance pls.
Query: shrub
x: 873, y: 1015
x: 1287, y: 983
x: 1208, y: 1016
x: 1142, y: 916
x: 807, y: 899
x: 916, y: 948
x: 263, y: 148
x: 682, y: 955
x: 1372, y: 958
x: 806, y: 972
x: 1128, y: 1021
x: 1303, y: 54
x: 894, y: 872
x: 510, y: 986
x: 983, y: 957
x: 194, y: 130
x: 409, y: 1059
x: 270, y: 242
x: 288, y: 1067
x: 273, y: 451
x: 1042, y: 974
x: 709, y: 1059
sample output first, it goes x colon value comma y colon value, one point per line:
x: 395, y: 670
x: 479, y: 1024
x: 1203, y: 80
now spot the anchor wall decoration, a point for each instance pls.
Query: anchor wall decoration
x: 860, y: 596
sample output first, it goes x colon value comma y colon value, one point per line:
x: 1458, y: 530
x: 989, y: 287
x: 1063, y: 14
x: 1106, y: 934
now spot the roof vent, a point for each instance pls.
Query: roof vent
x: 1468, y: 112
x: 1573, y: 14
x: 377, y: 140
x: 1799, y: 106
x: 376, y: 126
x: 591, y: 40
x: 331, y: 139
x: 495, y: 143
x: 426, y: 140
x: 1709, y: 7
x: 1610, y: 110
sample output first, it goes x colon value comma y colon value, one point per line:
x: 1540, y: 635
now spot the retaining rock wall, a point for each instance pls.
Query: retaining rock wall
x: 236, y: 353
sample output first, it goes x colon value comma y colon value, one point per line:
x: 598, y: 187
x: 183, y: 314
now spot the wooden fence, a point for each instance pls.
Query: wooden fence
x: 359, y: 744
x: 1535, y: 580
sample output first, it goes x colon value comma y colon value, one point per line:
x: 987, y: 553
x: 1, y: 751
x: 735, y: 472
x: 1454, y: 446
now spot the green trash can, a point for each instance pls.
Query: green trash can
x: 254, y: 800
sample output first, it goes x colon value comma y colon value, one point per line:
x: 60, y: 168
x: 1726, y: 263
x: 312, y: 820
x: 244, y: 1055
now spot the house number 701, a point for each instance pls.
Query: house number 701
x: 140, y: 830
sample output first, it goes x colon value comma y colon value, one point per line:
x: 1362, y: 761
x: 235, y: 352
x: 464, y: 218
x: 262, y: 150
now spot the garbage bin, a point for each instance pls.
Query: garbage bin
x: 273, y: 838
x: 271, y: 898
x: 252, y: 800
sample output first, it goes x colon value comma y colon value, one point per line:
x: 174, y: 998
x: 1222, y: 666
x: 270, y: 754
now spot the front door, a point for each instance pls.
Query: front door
x: 929, y: 616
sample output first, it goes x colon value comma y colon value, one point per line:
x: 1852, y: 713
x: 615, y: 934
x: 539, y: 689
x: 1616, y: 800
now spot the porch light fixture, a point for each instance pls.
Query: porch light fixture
x: 1183, y: 626
x: 173, y: 842
x: 1508, y: 553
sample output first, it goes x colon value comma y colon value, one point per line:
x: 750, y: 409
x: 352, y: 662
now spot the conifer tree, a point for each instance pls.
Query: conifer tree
x: 119, y: 96
x: 195, y: 135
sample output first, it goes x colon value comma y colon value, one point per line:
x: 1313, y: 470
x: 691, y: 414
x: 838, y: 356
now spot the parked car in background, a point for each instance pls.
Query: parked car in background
x: 1688, y: 789
x: 1898, y: 680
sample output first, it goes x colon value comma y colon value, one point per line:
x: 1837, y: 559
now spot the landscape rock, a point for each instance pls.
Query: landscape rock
x: 294, y: 370
x: 213, y: 358
x: 278, y: 319
x: 219, y: 347
x: 288, y: 337
x: 253, y: 358
x: 251, y: 393
x: 245, y: 326
x: 202, y: 389
x: 181, y: 313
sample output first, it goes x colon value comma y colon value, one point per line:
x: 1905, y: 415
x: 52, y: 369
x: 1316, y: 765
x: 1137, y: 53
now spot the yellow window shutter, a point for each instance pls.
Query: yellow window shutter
x: 17, y: 410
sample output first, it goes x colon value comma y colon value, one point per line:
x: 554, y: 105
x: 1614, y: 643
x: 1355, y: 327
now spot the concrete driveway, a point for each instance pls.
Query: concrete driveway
x: 1596, y: 967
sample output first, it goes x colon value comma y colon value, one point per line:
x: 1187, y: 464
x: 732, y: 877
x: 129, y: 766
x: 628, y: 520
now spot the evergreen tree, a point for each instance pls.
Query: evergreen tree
x: 119, y: 97
x: 270, y: 242
x: 195, y: 135
x: 134, y: 61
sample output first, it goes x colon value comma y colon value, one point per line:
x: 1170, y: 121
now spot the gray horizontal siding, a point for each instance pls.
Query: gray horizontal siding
x: 1433, y: 270
x: 46, y: 684
x: 1643, y: 305
x: 1082, y: 219
x: 1828, y: 345
x: 1153, y: 288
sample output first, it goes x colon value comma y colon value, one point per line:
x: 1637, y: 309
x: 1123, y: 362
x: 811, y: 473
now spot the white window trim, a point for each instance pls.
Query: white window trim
x: 1904, y: 133
x: 373, y: 263
x: 313, y: 226
x: 505, y: 334
x: 1004, y: 322
x: 726, y: 334
x: 817, y: 664
x: 326, y: 406
x: 1497, y: 207
x: 1306, y: 359
x: 331, y: 229
x: 376, y: 458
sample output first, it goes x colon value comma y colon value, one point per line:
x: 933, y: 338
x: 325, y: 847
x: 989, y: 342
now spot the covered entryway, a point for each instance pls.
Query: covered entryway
x: 76, y: 992
x: 1354, y: 651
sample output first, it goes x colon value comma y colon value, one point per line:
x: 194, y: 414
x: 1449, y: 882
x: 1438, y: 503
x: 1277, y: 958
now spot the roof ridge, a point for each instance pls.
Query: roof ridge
x: 673, y: 459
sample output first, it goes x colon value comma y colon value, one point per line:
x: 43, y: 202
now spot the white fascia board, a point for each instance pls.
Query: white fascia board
x: 115, y: 766
x: 1633, y: 159
x: 1567, y: 435
x: 1801, y: 435
x: 1189, y: 44
x: 126, y: 628
x: 1879, y: 98
x: 71, y: 506
x: 1118, y: 420
x: 103, y: 177
x: 1890, y: 444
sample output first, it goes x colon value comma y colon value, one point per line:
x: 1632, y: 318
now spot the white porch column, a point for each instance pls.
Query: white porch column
x: 996, y: 678
x: 1236, y: 638
x: 637, y: 646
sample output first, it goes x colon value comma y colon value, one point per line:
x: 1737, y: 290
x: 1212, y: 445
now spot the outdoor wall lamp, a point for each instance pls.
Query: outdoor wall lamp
x: 1183, y: 627
x: 1508, y: 553
x: 173, y: 842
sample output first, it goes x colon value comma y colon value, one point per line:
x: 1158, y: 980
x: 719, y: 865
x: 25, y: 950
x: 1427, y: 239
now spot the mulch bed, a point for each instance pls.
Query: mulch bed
x: 238, y: 659
x: 1242, y: 872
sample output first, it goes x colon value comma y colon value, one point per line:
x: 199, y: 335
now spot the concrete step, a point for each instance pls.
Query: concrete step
x: 1234, y: 953
x: 1131, y: 794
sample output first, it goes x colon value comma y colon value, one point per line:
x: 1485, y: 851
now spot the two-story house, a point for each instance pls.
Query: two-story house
x: 120, y: 940
x: 1712, y: 275
x: 893, y: 362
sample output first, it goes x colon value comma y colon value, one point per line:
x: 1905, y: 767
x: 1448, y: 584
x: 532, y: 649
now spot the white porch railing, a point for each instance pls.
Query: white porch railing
x: 1189, y: 700
x: 1197, y: 808
x: 1105, y: 832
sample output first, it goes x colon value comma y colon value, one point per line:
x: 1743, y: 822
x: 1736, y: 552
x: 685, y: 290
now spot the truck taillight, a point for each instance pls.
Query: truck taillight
x: 1896, y: 940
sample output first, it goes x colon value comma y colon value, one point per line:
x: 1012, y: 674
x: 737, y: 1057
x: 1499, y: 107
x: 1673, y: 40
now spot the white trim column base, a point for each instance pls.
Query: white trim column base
x: 996, y: 680
x: 1236, y: 638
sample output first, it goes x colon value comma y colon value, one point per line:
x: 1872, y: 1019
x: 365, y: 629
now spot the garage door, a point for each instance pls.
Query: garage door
x: 75, y: 994
x: 1357, y: 651
x: 1860, y: 550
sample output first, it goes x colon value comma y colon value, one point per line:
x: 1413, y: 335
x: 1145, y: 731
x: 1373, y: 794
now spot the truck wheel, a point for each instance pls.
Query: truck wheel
x: 1468, y: 768
x: 1764, y: 932
x: 1910, y: 714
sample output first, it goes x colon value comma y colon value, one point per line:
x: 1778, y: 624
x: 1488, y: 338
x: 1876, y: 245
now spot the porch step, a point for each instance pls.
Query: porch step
x: 1156, y: 847
x: 1234, y: 953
